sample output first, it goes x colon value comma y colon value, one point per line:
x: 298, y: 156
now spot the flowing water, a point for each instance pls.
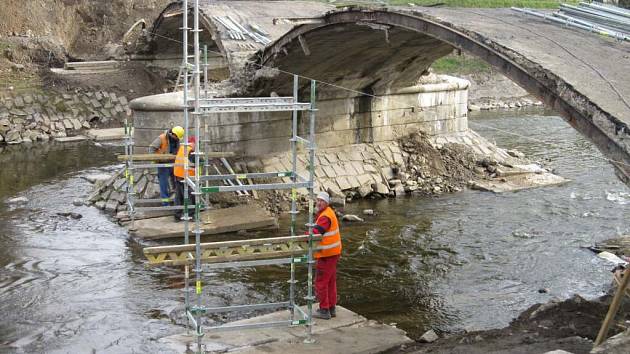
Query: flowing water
x: 470, y: 260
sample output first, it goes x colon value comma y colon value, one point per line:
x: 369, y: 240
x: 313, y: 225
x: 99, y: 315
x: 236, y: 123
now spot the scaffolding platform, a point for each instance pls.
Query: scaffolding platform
x: 347, y: 333
x: 242, y: 217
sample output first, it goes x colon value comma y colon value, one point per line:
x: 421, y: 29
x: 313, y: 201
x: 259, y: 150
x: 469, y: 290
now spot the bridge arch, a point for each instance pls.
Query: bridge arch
x: 329, y: 49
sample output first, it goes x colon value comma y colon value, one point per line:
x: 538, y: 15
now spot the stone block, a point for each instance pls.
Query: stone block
x: 118, y: 196
x: 95, y: 103
x: 339, y: 171
x: 111, y: 206
x: 18, y: 102
x: 354, y: 182
x: 332, y: 158
x: 119, y: 109
x: 358, y: 166
x: 86, y: 124
x: 364, y: 179
x: 388, y: 173
x: 365, y: 190
x: 28, y: 99
x: 17, y: 112
x: 120, y: 184
x: 108, y: 105
x: 85, y: 100
x: 13, y: 137
x: 98, y: 95
x: 356, y: 155
x: 123, y: 100
x: 67, y: 124
x: 350, y: 171
x: 343, y: 183
x: 380, y: 188
x: 330, y: 171
x: 76, y: 124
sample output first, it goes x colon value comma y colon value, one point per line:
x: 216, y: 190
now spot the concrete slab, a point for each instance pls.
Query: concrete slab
x: 69, y: 139
x: 512, y: 183
x: 106, y: 134
x: 347, y: 333
x: 243, y: 217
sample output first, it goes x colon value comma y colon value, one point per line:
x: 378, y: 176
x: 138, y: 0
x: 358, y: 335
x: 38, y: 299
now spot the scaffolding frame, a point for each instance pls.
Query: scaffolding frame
x: 292, y: 250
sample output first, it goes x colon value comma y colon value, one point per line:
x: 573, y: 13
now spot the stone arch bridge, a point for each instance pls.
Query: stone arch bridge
x: 582, y: 76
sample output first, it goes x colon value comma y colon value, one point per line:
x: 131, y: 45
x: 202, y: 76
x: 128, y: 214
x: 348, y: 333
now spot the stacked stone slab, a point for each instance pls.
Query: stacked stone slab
x: 111, y: 195
x: 40, y: 116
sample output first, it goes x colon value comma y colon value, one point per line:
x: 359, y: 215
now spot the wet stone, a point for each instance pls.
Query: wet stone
x: 18, y: 102
x: 111, y: 206
x: 95, y: 103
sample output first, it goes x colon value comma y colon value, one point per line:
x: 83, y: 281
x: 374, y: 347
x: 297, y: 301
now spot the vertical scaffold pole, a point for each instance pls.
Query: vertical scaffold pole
x: 206, y: 138
x: 197, y: 113
x: 129, y: 173
x: 205, y: 70
x: 311, y: 208
x: 185, y: 107
x: 294, y: 212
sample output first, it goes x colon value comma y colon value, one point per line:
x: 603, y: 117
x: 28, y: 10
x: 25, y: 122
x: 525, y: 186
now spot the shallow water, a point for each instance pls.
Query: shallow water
x: 470, y: 260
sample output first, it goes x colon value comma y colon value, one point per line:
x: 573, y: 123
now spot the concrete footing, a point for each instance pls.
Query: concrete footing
x: 347, y: 333
x: 106, y: 134
x: 217, y: 221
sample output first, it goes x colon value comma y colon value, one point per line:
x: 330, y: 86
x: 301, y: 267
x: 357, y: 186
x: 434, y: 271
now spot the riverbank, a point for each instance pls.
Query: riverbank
x: 570, y: 325
x: 489, y: 89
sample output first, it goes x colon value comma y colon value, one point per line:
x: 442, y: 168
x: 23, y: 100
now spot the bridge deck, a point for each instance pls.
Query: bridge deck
x: 596, y: 66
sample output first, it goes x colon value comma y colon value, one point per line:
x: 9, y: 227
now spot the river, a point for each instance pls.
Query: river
x: 470, y: 260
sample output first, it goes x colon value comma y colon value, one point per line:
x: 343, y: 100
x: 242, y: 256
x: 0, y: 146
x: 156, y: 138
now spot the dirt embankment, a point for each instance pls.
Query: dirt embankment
x: 37, y: 35
x: 570, y: 325
x: 87, y: 29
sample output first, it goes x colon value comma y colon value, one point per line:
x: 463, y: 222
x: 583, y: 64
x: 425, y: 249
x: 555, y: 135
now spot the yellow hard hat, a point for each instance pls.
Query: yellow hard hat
x: 178, y: 131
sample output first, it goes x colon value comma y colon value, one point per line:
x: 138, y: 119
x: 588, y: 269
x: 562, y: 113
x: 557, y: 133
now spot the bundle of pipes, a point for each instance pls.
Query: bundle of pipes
x: 606, y: 20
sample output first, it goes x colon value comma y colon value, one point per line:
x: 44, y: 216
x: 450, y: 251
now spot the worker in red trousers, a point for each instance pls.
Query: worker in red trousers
x: 327, y: 256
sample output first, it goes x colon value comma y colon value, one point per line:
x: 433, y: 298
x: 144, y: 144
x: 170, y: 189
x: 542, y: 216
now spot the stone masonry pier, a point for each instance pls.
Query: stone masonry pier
x: 437, y: 106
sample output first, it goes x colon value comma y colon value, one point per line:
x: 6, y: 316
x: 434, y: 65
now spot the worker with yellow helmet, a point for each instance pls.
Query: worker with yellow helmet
x: 166, y: 143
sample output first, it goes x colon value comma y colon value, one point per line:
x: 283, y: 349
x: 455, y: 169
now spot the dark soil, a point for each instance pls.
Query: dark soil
x: 569, y: 325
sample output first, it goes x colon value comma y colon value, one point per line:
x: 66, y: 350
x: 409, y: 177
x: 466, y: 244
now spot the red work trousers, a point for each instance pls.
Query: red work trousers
x: 326, y: 281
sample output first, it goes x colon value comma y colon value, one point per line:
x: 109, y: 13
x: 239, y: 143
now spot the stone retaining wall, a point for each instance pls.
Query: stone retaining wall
x: 32, y: 116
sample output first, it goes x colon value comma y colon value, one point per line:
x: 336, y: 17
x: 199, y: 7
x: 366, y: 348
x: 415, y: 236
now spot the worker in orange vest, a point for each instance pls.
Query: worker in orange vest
x: 166, y: 143
x: 327, y: 256
x: 179, y: 172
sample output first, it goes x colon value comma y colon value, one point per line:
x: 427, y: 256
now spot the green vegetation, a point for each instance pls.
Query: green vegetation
x: 460, y: 64
x: 546, y: 4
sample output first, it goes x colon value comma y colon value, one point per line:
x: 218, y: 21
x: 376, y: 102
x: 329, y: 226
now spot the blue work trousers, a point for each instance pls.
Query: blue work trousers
x: 165, y: 176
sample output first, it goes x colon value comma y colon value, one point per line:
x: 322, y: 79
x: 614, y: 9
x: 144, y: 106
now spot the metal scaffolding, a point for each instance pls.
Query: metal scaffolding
x: 292, y: 250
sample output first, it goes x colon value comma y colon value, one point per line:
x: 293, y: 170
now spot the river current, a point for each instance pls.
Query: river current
x: 470, y: 260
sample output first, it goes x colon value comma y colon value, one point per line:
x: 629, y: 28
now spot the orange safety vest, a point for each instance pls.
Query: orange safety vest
x: 163, y: 144
x: 180, y: 160
x: 330, y: 244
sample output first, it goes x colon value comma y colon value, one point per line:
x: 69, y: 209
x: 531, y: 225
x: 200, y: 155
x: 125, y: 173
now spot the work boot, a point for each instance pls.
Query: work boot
x: 333, y: 312
x: 324, y: 314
